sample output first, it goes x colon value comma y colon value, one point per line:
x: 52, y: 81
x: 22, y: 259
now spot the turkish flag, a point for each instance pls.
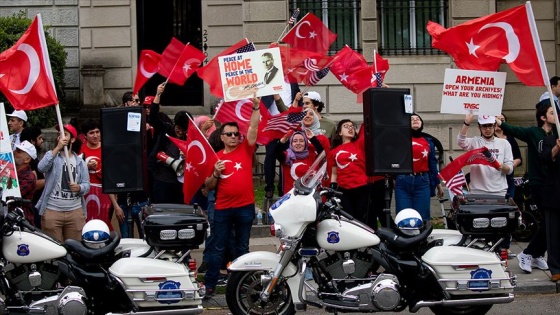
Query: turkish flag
x: 179, y: 61
x: 380, y: 65
x: 199, y: 160
x: 239, y: 111
x: 148, y: 65
x: 486, y: 42
x: 25, y: 71
x: 299, y: 65
x: 477, y: 156
x: 210, y: 73
x: 352, y: 70
x: 310, y: 34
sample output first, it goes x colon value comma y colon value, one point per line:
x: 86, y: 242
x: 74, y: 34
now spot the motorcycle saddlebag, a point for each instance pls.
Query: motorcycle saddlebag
x: 485, y: 215
x: 174, y: 226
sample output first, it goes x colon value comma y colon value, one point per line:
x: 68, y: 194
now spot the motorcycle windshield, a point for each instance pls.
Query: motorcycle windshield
x: 312, y: 178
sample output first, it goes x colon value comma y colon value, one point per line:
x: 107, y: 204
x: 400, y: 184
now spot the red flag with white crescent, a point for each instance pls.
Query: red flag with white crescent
x: 179, y: 61
x: 310, y: 34
x: 199, y: 160
x: 239, y: 111
x: 147, y: 67
x: 25, y: 71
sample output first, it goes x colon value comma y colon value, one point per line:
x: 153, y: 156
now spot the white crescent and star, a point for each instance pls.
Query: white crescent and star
x: 188, y: 63
x: 341, y: 166
x: 238, y: 109
x: 95, y: 199
x: 199, y: 145
x: 424, y: 153
x: 343, y: 77
x: 228, y: 175
x: 143, y: 70
x: 34, y: 68
x: 512, y: 39
x: 293, y: 170
x: 298, y: 35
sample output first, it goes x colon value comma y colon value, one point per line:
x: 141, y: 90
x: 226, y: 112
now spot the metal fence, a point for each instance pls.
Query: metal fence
x: 402, y: 26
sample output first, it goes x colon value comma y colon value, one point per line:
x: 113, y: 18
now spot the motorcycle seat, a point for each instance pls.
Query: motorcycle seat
x: 394, y: 239
x: 78, y: 250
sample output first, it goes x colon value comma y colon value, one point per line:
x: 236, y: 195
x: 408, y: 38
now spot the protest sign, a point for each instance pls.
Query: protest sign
x: 476, y: 92
x: 8, y: 176
x: 257, y: 71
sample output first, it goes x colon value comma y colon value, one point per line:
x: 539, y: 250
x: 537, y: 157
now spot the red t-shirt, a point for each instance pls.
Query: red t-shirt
x: 235, y: 187
x: 298, y: 168
x: 350, y: 162
x: 420, y: 154
x: 93, y: 154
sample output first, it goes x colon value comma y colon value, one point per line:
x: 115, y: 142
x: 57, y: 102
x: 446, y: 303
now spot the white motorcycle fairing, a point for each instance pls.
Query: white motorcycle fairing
x: 343, y: 235
x: 24, y: 247
x: 295, y: 212
x: 449, y: 237
x: 263, y: 260
x: 463, y: 270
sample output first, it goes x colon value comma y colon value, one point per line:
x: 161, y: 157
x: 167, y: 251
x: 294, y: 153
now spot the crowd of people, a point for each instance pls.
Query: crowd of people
x: 62, y: 185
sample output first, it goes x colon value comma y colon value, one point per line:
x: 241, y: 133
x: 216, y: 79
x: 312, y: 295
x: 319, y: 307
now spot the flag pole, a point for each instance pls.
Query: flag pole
x: 540, y: 56
x: 290, y: 22
x: 375, y: 60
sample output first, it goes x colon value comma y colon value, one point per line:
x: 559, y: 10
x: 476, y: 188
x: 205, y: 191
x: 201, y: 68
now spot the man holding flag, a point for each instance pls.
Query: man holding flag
x: 232, y: 178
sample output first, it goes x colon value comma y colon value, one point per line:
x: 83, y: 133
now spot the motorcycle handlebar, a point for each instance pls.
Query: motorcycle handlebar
x: 330, y: 194
x: 14, y: 217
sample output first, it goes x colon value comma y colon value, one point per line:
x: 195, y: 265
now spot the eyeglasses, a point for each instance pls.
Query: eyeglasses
x: 135, y: 100
x: 230, y: 134
x: 349, y: 126
x: 487, y: 126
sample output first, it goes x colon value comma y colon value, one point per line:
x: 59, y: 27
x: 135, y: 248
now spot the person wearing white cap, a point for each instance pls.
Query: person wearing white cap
x: 24, y: 153
x: 312, y: 100
x: 16, y: 123
x: 486, y: 179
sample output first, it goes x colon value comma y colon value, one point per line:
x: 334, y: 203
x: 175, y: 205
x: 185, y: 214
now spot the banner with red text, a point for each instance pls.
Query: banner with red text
x: 470, y: 91
x: 243, y: 74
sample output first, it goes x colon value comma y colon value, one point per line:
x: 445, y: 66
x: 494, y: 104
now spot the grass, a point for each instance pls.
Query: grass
x: 259, y: 194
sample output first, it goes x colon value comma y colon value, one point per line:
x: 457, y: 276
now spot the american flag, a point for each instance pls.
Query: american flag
x: 247, y: 48
x: 379, y: 79
x: 284, y: 122
x: 316, y: 76
x: 455, y: 184
x: 294, y: 16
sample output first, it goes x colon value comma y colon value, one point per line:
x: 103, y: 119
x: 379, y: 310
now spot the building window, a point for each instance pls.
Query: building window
x: 402, y: 26
x: 340, y: 16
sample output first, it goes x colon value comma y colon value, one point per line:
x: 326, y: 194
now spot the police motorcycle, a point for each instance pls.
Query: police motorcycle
x: 343, y: 255
x: 39, y: 275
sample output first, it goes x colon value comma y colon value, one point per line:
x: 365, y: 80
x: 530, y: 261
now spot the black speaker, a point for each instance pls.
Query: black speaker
x: 387, y: 132
x: 123, y: 149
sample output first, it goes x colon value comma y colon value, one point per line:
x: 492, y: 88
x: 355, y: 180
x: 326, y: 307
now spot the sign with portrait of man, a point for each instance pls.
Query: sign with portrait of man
x: 257, y: 71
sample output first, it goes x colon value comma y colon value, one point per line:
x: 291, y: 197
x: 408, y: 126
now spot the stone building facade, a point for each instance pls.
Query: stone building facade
x: 105, y: 32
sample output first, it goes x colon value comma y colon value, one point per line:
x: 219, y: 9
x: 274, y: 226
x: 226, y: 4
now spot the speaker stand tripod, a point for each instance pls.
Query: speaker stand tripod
x: 387, y: 209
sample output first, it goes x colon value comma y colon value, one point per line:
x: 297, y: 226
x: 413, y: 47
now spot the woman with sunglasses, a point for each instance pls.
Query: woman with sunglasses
x: 295, y: 156
x: 415, y: 189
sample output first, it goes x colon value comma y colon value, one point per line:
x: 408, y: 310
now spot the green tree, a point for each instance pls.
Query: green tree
x: 11, y: 29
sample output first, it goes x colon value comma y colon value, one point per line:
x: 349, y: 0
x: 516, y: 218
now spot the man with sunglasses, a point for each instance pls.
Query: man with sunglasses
x: 130, y: 99
x: 486, y: 179
x: 232, y: 178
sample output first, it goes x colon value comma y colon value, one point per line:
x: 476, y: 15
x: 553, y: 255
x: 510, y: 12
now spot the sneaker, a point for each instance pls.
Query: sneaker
x: 540, y: 263
x: 222, y: 281
x: 268, y: 194
x: 203, y: 267
x: 209, y: 293
x: 525, y: 262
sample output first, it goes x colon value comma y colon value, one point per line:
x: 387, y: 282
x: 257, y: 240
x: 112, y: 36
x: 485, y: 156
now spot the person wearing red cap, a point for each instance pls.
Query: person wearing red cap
x: 62, y: 204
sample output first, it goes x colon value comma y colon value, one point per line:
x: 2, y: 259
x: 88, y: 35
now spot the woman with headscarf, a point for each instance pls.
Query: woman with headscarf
x: 415, y: 189
x: 295, y: 157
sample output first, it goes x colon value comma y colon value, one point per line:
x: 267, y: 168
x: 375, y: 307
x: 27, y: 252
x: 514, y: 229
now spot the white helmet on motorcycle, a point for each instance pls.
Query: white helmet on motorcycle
x: 409, y: 221
x: 95, y: 234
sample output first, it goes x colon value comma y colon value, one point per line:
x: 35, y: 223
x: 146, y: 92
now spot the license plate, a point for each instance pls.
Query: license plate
x: 479, y: 285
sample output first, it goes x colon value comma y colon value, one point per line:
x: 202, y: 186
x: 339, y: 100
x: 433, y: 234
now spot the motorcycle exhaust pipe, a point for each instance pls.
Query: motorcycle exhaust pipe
x: 182, y: 311
x: 478, y: 301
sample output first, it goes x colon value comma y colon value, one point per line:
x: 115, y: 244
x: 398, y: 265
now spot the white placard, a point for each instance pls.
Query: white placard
x: 133, y: 122
x: 475, y: 92
x: 244, y: 73
x: 8, y: 174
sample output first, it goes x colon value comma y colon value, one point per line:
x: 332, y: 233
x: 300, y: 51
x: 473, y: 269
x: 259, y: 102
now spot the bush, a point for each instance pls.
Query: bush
x: 11, y: 29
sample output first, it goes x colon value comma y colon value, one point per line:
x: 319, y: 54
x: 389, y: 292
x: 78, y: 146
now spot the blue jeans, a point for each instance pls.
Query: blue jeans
x: 413, y: 191
x: 209, y: 242
x: 132, y: 211
x: 238, y: 219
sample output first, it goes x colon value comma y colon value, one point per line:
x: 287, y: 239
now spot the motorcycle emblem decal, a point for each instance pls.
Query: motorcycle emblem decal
x: 480, y: 273
x: 332, y: 237
x: 169, y: 297
x: 23, y: 250
x: 280, y: 201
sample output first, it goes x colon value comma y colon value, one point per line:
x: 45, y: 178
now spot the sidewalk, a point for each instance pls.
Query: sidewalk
x: 537, y: 282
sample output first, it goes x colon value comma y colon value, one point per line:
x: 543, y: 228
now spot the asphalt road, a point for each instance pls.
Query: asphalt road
x: 523, y: 304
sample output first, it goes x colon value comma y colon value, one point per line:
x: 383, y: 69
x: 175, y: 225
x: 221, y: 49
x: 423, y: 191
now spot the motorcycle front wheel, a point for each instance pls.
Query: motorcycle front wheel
x: 243, y: 295
x: 461, y: 310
